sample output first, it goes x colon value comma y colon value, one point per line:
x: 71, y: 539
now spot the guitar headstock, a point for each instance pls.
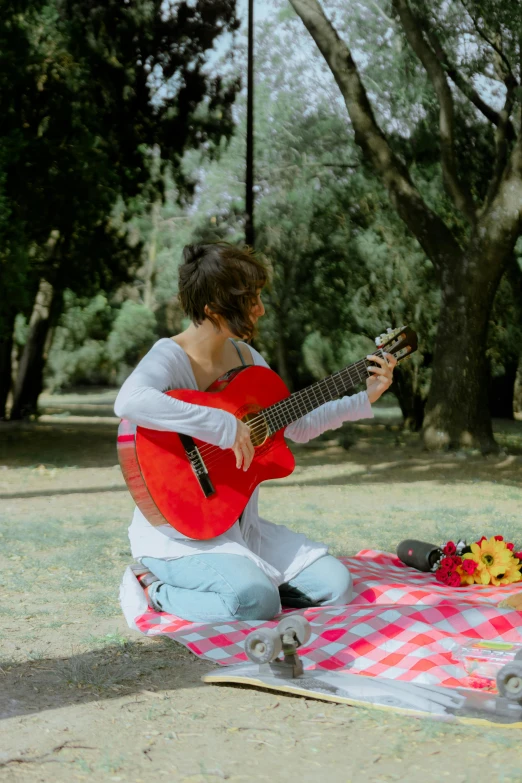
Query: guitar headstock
x: 399, y: 342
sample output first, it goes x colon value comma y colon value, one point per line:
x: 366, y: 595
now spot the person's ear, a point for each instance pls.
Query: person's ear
x: 217, y: 319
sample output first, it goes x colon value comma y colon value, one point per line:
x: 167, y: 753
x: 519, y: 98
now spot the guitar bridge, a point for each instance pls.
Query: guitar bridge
x: 198, y: 465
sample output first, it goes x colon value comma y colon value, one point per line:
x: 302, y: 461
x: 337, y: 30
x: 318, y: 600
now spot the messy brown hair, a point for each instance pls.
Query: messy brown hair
x: 224, y: 277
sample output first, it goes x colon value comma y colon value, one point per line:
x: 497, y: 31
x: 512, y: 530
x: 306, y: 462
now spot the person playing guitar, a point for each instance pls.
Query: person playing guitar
x: 246, y: 572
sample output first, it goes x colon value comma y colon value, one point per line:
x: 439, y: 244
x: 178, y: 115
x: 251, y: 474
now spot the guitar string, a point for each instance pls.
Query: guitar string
x: 217, y: 454
x: 258, y: 424
x: 213, y: 454
x: 285, y: 406
x: 210, y: 452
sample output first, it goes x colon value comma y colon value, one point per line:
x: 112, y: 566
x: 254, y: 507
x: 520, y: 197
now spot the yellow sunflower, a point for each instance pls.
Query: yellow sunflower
x: 510, y: 576
x: 493, y: 560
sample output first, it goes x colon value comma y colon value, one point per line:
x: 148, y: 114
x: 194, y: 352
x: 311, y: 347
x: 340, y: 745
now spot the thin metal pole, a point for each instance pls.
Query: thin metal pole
x: 249, y: 196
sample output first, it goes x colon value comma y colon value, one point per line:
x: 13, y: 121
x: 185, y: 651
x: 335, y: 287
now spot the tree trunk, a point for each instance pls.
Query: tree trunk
x: 29, y: 381
x: 411, y: 401
x: 502, y: 392
x: 6, y: 347
x: 457, y: 411
x: 517, y: 392
x: 150, y: 267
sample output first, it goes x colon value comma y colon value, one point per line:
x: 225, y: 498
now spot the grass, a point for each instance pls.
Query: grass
x: 62, y: 557
x: 115, y: 638
x: 88, y: 672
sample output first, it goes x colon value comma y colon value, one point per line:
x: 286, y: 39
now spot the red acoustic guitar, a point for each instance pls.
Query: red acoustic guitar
x: 196, y: 487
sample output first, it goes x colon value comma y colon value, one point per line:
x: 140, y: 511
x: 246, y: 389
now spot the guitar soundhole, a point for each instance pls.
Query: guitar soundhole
x: 259, y: 431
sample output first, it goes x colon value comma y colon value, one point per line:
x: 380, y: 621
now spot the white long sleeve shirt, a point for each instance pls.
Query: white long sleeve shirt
x: 279, y: 552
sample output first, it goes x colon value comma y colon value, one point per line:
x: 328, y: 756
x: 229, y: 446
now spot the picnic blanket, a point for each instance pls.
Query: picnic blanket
x: 401, y: 624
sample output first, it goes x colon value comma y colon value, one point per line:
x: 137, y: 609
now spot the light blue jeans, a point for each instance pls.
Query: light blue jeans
x: 215, y: 587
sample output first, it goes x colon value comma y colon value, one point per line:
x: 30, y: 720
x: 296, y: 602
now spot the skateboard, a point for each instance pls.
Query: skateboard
x: 285, y: 675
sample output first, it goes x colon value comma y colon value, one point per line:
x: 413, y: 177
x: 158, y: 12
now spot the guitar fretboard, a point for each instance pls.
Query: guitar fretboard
x: 305, y: 401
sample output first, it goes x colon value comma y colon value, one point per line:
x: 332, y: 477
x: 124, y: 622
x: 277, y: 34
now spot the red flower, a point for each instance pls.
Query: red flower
x: 447, y: 574
x: 450, y: 548
x: 469, y: 566
x: 481, y: 540
x: 453, y: 579
x: 499, y: 538
x: 518, y: 555
x: 454, y: 561
x: 445, y: 564
x: 510, y: 547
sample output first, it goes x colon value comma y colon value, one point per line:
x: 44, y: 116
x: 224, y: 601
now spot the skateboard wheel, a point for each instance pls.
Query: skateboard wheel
x: 263, y: 645
x: 509, y: 681
x: 296, y: 623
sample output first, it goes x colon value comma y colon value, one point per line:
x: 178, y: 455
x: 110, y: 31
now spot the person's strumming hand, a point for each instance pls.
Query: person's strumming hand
x: 243, y: 447
x: 381, y: 375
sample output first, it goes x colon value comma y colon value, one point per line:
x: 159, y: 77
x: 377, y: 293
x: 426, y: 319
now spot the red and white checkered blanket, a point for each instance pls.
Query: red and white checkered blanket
x: 401, y: 624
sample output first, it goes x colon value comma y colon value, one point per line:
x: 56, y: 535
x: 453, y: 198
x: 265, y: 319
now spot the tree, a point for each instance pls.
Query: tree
x: 505, y: 339
x: 470, y: 253
x: 16, y: 78
x: 343, y: 264
x: 107, y: 96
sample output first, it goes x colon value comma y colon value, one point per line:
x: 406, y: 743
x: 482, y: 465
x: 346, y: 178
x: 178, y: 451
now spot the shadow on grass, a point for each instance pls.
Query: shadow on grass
x: 377, y: 452
x: 408, y: 471
x: 60, y: 444
x: 43, y: 493
x: 125, y: 670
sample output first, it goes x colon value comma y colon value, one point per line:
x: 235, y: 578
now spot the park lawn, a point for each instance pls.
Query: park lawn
x: 84, y: 698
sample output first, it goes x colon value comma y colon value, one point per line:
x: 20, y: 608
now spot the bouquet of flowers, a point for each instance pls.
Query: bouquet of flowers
x: 490, y: 561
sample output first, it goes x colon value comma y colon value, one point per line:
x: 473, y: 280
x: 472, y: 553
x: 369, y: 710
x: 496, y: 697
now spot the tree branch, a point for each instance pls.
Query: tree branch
x: 489, y: 41
x: 300, y: 166
x: 381, y: 12
x: 433, y: 235
x: 464, y: 85
x: 460, y: 195
x: 501, y: 223
x: 502, y: 144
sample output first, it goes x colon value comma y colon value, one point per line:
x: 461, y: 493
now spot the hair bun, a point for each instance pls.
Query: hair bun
x: 193, y: 253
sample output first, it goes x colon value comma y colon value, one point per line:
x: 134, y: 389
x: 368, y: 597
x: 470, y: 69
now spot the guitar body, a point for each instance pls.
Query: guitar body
x: 196, y: 487
x: 162, y: 479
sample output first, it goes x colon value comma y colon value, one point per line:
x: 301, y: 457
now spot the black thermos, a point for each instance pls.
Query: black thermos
x: 418, y: 554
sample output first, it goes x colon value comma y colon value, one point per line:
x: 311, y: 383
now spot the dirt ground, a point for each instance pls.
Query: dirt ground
x: 84, y: 698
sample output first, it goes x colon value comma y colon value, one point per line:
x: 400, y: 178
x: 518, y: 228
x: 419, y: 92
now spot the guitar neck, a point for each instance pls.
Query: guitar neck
x: 305, y: 401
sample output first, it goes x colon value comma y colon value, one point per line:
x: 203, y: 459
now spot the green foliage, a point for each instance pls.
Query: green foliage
x: 322, y: 357
x: 98, y: 99
x: 342, y: 263
x: 21, y: 330
x: 344, y: 267
x: 78, y: 351
x: 86, y: 365
x: 132, y: 334
x: 162, y: 231
x: 96, y: 342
